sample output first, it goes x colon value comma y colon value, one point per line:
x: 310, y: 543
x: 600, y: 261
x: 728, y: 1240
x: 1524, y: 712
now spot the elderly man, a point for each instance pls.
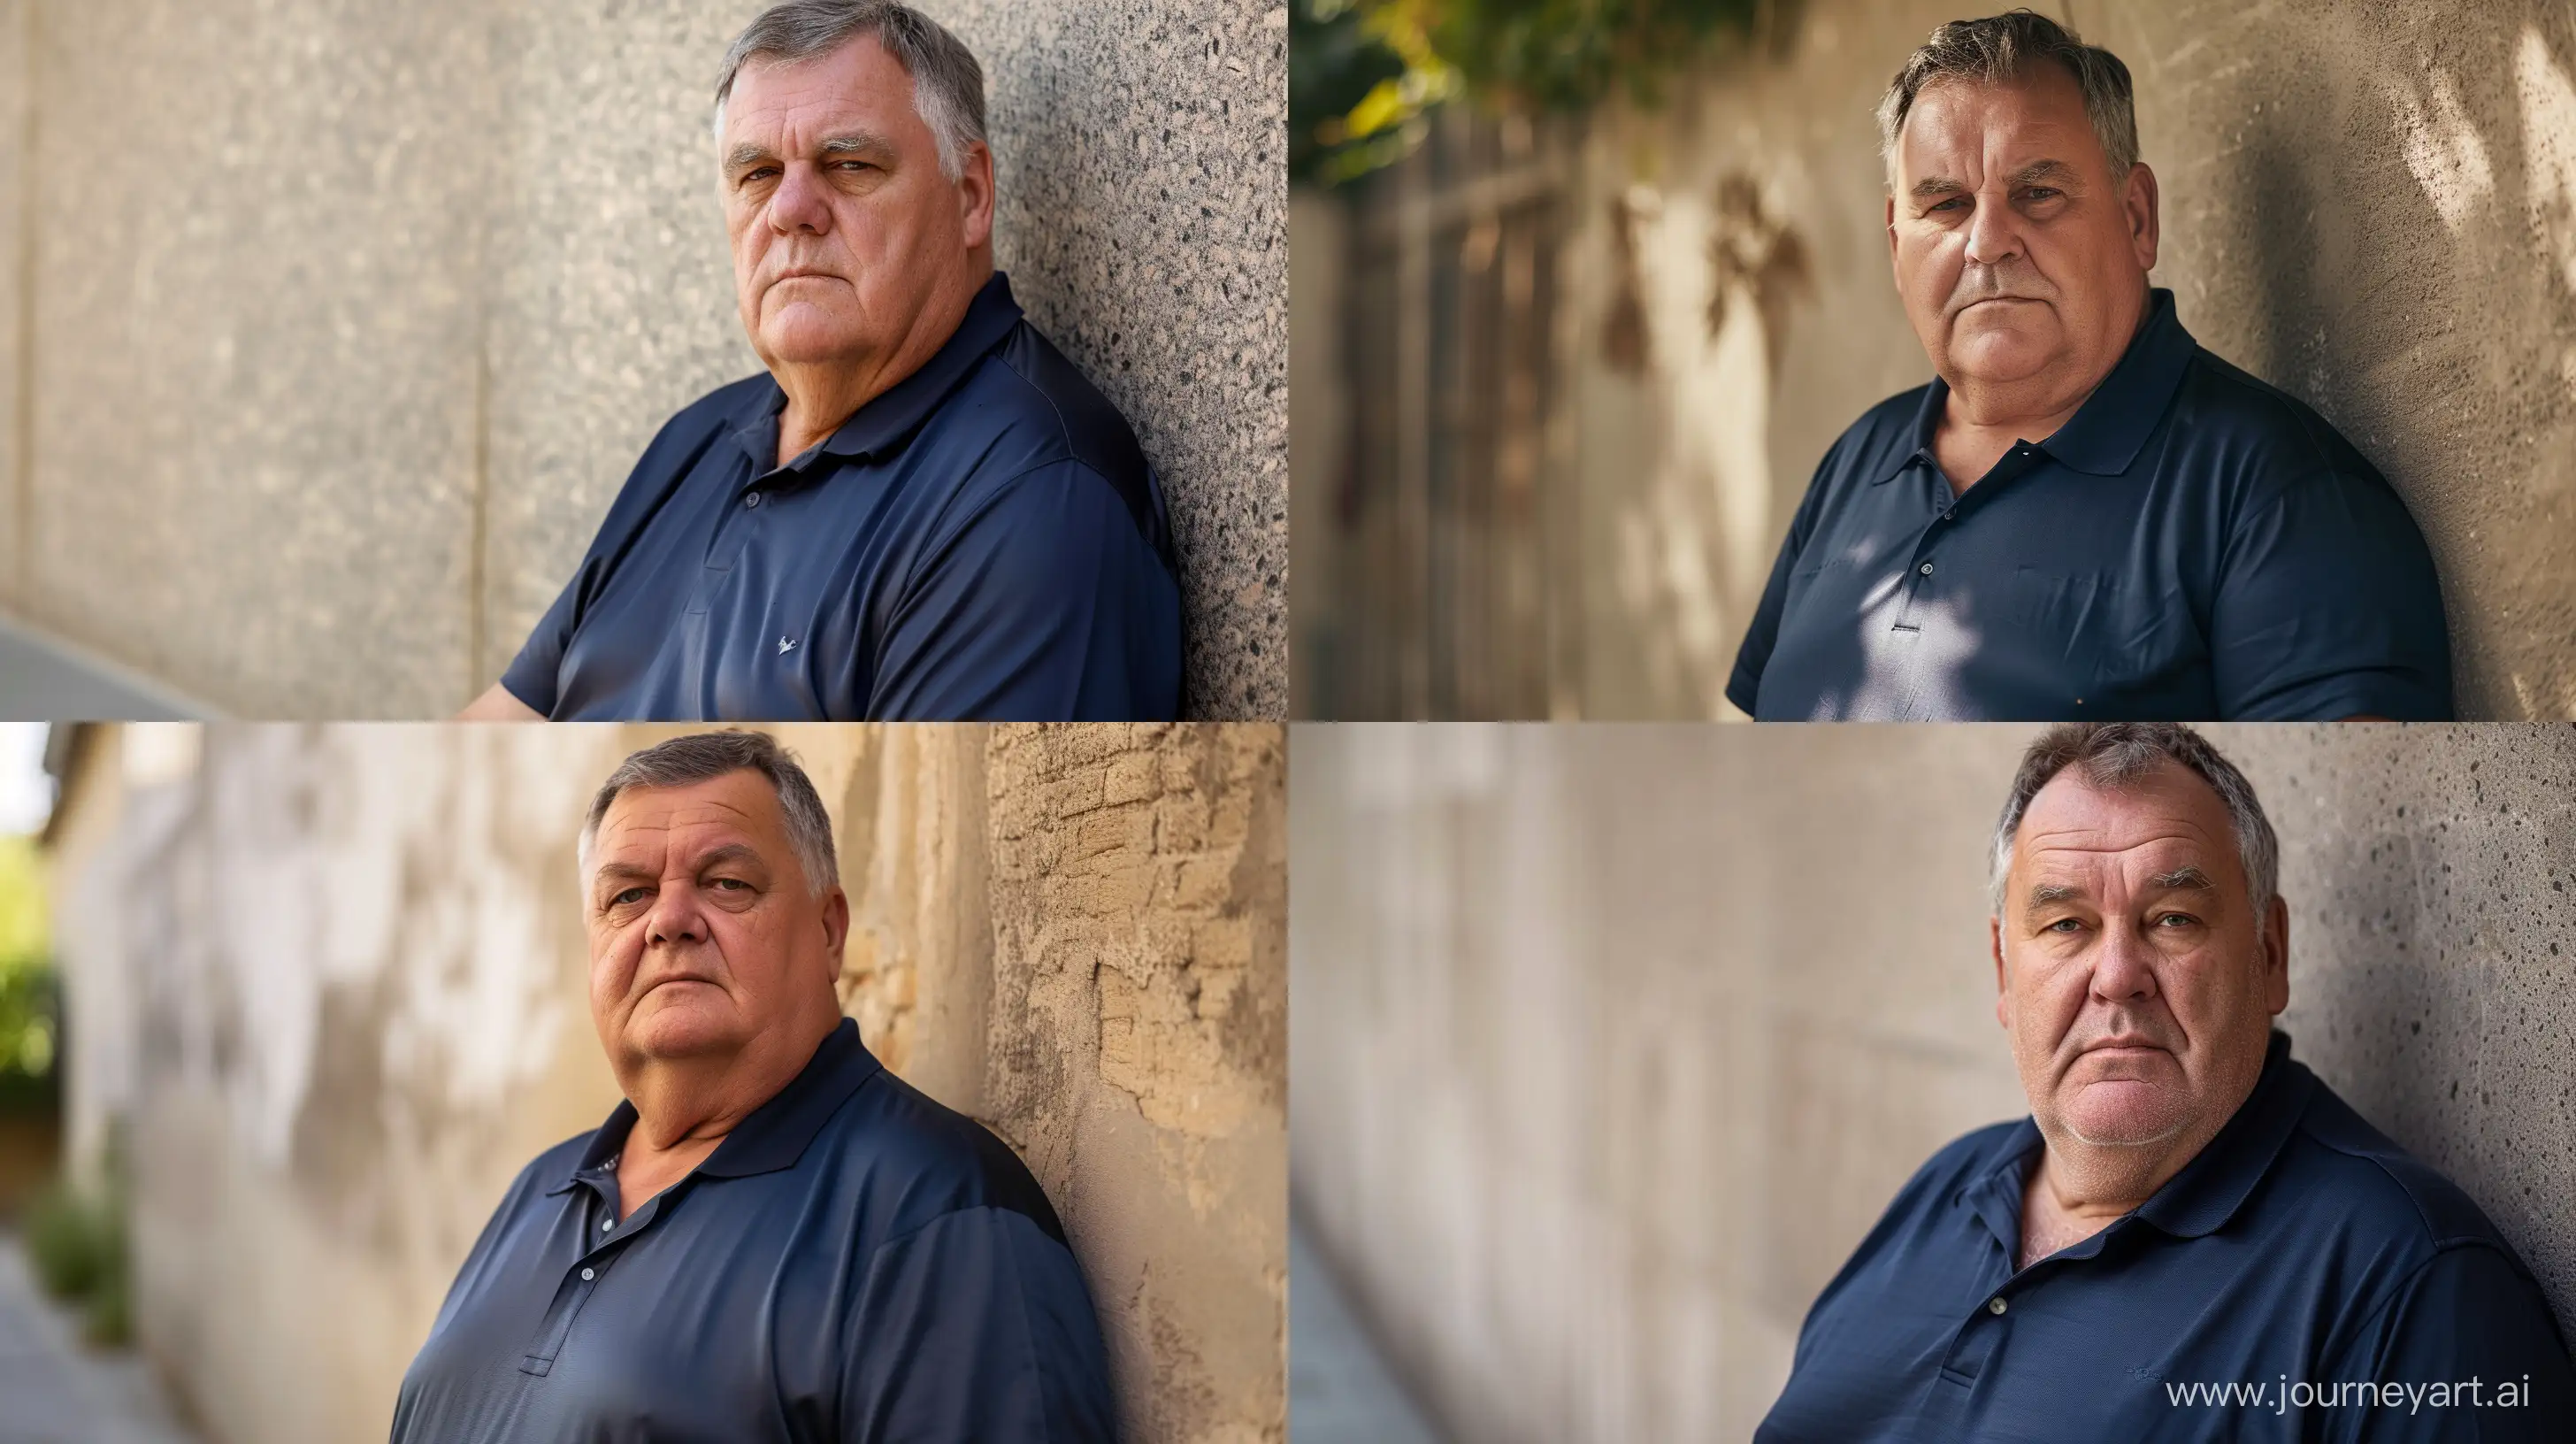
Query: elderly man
x: 2084, y: 515
x: 2191, y: 1237
x: 922, y: 511
x: 772, y: 1238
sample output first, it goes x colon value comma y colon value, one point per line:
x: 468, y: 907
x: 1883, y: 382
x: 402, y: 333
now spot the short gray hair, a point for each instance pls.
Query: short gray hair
x: 2000, y: 49
x: 2115, y: 754
x: 947, y: 83
x: 702, y: 756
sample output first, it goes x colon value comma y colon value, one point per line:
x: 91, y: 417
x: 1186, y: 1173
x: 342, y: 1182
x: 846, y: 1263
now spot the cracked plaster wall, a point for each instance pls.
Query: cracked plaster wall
x: 329, y: 328
x: 1674, y: 1011
x: 329, y: 986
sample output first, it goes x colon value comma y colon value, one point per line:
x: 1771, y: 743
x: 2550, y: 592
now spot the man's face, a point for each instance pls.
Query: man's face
x: 843, y: 228
x: 2137, y: 979
x: 703, y: 934
x: 2018, y: 254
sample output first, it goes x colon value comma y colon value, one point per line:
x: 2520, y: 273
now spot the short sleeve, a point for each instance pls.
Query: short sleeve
x: 976, y: 1326
x: 1744, y: 685
x: 533, y: 674
x: 2327, y: 607
x: 1044, y: 604
x: 2473, y: 1321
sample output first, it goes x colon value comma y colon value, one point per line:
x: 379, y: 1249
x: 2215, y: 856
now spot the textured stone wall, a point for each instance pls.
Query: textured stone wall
x: 2370, y: 203
x: 330, y: 984
x: 341, y: 321
x: 1673, y: 1012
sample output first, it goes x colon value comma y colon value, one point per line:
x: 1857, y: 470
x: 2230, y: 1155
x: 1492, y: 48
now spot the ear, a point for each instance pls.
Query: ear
x: 1889, y: 219
x: 2003, y: 991
x: 975, y: 197
x: 2138, y: 198
x: 836, y: 927
x: 2275, y: 955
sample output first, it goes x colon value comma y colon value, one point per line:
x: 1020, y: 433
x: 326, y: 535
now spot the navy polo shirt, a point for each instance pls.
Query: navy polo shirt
x: 2300, y: 1248
x: 854, y: 1262
x: 983, y: 541
x: 2192, y: 545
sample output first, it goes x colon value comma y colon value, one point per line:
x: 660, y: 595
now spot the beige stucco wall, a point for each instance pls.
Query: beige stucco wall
x: 1672, y: 1012
x: 330, y: 982
x: 335, y: 325
x: 2371, y: 203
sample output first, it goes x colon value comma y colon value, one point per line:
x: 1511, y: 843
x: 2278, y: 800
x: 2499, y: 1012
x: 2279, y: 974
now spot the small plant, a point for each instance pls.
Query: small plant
x: 77, y: 1247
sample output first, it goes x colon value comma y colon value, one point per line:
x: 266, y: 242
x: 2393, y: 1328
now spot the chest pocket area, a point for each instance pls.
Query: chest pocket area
x: 2100, y: 627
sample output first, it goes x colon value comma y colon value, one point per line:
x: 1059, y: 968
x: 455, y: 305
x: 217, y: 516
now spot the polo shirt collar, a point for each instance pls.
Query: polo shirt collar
x: 2209, y: 1189
x: 775, y: 1135
x: 2107, y: 431
x: 2206, y: 1194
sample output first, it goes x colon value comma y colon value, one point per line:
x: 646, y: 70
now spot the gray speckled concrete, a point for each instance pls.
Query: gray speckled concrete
x: 349, y: 317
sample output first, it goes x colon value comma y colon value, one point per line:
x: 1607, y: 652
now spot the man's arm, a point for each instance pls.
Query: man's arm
x: 2472, y: 1323
x: 2328, y: 608
x: 976, y: 1326
x: 497, y: 704
x: 1044, y: 603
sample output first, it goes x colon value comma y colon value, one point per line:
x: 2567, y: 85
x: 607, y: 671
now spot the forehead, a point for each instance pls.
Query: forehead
x: 2152, y: 822
x: 858, y: 81
x: 1964, y: 122
x: 739, y: 807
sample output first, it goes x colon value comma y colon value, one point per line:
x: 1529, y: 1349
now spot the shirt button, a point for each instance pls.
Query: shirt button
x: 1993, y: 1306
x: 1925, y: 569
x: 751, y: 502
x: 606, y: 1224
x: 588, y: 1274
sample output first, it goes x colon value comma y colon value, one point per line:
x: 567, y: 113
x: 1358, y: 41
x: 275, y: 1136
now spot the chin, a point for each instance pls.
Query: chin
x: 2000, y: 356
x: 2125, y: 1112
x: 802, y: 335
x: 683, y: 1031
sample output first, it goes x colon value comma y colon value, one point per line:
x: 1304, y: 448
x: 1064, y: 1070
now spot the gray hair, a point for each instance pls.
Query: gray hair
x: 702, y: 756
x: 2000, y: 49
x: 947, y: 83
x: 2115, y: 754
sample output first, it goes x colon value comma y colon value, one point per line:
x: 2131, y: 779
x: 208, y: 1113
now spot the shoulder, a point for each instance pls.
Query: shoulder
x: 2264, y: 434
x: 1035, y: 411
x: 926, y: 1160
x: 1969, y: 1156
x: 2358, y: 1183
x: 1885, y: 433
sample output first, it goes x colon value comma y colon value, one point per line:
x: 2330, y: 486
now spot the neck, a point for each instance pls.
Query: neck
x: 687, y: 1105
x: 823, y: 394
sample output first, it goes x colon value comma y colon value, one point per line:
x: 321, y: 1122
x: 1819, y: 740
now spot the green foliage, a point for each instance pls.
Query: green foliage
x: 1555, y: 55
x: 30, y: 1017
x: 1363, y: 74
x: 77, y: 1246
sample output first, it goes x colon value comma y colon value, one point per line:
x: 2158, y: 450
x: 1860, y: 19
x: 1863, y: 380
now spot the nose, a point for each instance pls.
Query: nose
x: 2123, y: 971
x: 1994, y: 235
x: 676, y: 918
x: 798, y: 206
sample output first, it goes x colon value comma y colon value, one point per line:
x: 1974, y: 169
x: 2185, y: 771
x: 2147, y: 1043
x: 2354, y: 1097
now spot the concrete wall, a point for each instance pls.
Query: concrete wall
x: 2371, y: 203
x: 336, y: 324
x: 1613, y: 1042
x: 330, y: 985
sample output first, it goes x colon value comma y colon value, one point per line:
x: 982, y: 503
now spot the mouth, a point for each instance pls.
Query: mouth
x: 674, y: 981
x: 1997, y: 301
x: 2124, y: 1045
x: 786, y: 276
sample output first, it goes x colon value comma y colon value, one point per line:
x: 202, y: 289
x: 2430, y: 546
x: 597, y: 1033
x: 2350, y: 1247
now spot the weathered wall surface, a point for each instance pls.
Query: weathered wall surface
x: 342, y: 321
x: 330, y: 984
x: 1673, y: 1012
x: 2371, y: 203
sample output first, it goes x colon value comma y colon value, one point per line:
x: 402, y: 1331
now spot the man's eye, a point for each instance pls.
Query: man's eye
x: 1952, y: 204
x: 2063, y: 925
x: 630, y: 895
x: 2042, y: 193
x: 729, y: 884
x: 758, y: 173
x: 2175, y: 920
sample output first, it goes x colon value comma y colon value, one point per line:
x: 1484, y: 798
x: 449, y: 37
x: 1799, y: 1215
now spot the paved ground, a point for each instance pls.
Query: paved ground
x: 43, y: 680
x: 52, y: 1390
x: 1340, y: 1390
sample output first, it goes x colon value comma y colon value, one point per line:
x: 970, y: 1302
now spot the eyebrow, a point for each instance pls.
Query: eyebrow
x: 854, y: 142
x: 2182, y: 879
x: 2039, y: 170
x: 2052, y: 892
x: 626, y: 871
